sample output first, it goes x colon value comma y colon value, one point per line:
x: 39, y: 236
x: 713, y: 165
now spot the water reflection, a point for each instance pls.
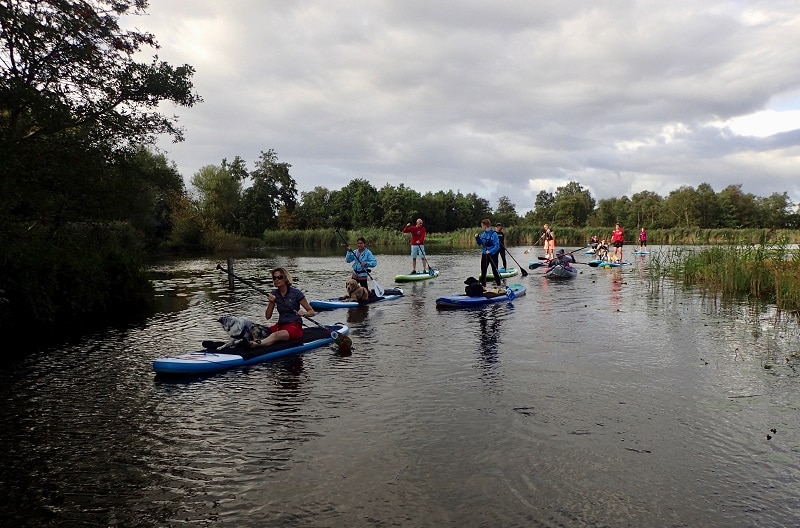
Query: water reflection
x: 657, y: 424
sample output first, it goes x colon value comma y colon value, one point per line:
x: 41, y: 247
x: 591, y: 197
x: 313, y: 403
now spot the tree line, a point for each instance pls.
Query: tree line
x: 229, y: 195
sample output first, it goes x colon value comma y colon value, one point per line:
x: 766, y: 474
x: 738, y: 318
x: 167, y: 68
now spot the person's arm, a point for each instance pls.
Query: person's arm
x: 270, y: 306
x: 309, y: 311
x: 369, y: 260
x: 495, y: 244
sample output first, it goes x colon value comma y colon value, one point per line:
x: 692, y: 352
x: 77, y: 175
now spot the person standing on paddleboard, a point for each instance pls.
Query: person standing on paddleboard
x: 490, y: 247
x: 498, y: 228
x: 288, y: 300
x: 363, y: 260
x: 642, y: 240
x: 549, y: 242
x: 617, y: 239
x: 417, y: 245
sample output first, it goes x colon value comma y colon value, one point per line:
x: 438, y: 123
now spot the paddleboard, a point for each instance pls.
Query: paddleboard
x: 208, y: 360
x: 505, y: 273
x: 389, y: 294
x: 462, y: 300
x: 413, y: 277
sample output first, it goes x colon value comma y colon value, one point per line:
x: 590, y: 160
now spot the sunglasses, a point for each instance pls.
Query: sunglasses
x: 277, y: 277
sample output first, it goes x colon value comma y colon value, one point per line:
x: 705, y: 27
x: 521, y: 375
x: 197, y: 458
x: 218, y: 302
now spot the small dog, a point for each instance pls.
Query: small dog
x: 355, y: 292
x: 473, y: 287
x: 242, y: 332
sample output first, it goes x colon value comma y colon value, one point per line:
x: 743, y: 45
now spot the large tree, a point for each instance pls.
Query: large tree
x: 77, y: 190
x: 273, y: 190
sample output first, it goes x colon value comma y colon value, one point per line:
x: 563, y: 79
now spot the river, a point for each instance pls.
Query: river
x: 600, y: 401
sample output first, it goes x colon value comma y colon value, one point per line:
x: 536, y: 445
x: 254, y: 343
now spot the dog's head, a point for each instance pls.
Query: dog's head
x: 351, y: 285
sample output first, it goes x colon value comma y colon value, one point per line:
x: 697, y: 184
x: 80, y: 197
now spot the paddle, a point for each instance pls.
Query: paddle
x: 431, y: 271
x: 524, y: 273
x: 568, y: 253
x: 344, y: 342
x: 378, y: 288
x: 533, y: 246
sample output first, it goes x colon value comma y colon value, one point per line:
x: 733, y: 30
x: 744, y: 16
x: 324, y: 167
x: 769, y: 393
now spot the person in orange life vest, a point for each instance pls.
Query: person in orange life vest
x: 417, y: 245
x: 549, y: 242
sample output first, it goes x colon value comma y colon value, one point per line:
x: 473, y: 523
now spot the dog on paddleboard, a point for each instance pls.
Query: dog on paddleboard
x: 242, y: 331
x: 355, y: 292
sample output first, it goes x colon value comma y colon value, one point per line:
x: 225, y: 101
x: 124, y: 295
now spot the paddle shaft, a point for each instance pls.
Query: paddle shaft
x: 265, y: 292
x: 425, y: 258
x: 568, y: 253
x: 524, y: 273
x: 378, y: 288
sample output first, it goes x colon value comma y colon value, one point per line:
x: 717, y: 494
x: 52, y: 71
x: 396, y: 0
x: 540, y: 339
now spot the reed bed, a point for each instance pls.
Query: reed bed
x: 768, y: 273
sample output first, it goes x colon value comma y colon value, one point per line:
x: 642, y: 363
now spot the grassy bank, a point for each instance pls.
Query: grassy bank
x: 529, y: 236
x: 763, y: 272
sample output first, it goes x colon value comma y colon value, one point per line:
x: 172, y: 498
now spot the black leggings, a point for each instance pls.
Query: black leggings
x: 488, y: 261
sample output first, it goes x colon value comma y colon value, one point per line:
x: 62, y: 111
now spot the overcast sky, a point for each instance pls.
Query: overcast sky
x: 493, y: 97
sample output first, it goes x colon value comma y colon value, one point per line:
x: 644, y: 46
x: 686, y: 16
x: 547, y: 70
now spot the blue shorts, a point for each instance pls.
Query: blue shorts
x: 418, y: 251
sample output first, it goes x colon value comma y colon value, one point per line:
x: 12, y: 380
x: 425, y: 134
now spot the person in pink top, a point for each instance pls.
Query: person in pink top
x: 643, y: 240
x: 417, y: 245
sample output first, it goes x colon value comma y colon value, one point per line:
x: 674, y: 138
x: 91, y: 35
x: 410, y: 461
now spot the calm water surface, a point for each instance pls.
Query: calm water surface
x: 593, y: 402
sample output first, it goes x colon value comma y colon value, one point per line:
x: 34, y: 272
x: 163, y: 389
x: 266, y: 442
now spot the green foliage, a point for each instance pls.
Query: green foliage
x: 81, y: 196
x: 83, y: 271
x: 272, y: 189
x: 769, y: 273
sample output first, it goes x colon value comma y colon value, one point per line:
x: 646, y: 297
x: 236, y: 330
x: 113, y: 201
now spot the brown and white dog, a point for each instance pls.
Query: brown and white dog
x: 355, y: 292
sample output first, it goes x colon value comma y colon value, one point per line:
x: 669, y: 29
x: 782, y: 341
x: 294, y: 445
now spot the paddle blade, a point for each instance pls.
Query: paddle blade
x: 344, y: 343
x: 378, y: 289
x: 593, y: 264
x: 524, y: 273
x: 431, y: 272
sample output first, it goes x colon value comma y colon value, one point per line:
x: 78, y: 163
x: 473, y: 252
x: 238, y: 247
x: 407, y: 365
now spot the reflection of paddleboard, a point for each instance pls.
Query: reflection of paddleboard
x: 413, y: 277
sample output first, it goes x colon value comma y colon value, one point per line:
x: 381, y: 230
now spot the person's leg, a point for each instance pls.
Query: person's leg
x: 497, y: 279
x: 484, y: 266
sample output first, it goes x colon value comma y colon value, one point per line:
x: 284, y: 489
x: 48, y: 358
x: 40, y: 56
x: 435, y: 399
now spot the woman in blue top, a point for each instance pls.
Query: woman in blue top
x: 362, y: 259
x: 490, y: 247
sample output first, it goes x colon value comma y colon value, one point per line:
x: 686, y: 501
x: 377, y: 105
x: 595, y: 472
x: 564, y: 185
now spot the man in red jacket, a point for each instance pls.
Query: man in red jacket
x: 417, y: 245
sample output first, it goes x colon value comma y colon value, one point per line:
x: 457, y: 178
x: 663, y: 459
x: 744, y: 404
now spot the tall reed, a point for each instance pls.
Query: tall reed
x: 761, y: 272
